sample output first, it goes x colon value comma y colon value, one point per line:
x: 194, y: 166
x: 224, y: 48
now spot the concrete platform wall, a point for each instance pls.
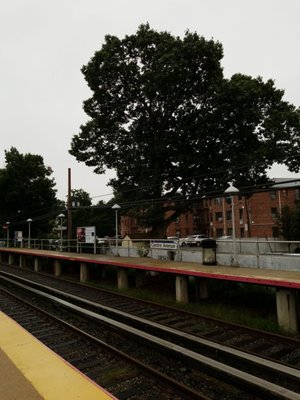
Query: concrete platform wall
x: 268, y: 260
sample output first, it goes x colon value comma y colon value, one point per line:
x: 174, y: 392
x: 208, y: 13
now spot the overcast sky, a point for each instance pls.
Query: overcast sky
x: 44, y: 44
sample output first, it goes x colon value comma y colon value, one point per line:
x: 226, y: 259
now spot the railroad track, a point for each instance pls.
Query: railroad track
x: 120, y: 374
x: 194, y: 350
x: 275, y: 347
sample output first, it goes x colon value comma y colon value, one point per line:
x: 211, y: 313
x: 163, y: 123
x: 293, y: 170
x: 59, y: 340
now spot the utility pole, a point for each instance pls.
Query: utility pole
x: 69, y: 205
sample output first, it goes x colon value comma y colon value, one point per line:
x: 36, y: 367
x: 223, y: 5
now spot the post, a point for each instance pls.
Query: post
x: 7, y: 233
x: 117, y: 231
x: 61, y: 216
x: 29, y: 233
x: 69, y: 210
x: 231, y: 190
x: 233, y: 231
x: 116, y: 207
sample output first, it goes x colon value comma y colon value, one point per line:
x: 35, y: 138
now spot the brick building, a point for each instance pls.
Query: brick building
x: 254, y: 216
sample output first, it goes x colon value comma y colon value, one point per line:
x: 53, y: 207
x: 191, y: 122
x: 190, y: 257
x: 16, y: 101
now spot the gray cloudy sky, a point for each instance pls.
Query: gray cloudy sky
x: 43, y: 45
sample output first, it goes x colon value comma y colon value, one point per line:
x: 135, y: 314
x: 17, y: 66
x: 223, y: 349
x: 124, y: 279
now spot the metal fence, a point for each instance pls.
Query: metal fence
x: 146, y: 247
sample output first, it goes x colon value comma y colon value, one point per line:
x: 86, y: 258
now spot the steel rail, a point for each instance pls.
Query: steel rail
x: 253, y: 383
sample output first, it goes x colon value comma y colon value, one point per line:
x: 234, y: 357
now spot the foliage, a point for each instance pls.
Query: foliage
x: 80, y: 215
x: 290, y: 223
x: 84, y: 214
x: 142, y: 252
x: 164, y: 117
x: 80, y: 198
x: 103, y: 217
x: 27, y: 191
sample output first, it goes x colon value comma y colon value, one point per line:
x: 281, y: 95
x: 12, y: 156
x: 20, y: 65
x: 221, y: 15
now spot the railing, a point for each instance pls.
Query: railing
x: 254, y: 252
x: 244, y: 246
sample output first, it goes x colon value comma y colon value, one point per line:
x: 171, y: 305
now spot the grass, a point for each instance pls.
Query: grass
x: 250, y: 305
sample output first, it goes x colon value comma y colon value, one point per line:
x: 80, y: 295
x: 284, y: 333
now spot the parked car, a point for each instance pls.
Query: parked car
x: 193, y: 240
x: 103, y: 241
x: 174, y: 239
x: 225, y: 238
x: 183, y: 241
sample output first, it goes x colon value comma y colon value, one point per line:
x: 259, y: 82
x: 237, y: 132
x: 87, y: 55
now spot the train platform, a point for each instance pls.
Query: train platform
x: 286, y: 282
x: 30, y: 370
x: 259, y: 276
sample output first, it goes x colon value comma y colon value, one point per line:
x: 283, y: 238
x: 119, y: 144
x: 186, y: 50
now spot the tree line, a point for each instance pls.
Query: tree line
x: 166, y: 119
x: 28, y: 192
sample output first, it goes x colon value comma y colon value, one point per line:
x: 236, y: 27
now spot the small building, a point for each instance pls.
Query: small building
x: 136, y: 240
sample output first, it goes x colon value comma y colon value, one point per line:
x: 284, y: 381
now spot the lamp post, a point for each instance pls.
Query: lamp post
x: 116, y: 207
x: 61, y: 216
x: 29, y: 233
x: 232, y: 191
x: 7, y: 233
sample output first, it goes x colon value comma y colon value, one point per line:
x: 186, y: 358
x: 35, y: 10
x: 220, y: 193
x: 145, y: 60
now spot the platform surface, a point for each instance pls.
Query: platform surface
x: 259, y: 276
x: 31, y: 371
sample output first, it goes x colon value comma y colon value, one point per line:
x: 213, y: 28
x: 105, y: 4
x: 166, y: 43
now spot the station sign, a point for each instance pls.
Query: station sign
x: 18, y: 236
x: 164, y: 245
x: 86, y: 234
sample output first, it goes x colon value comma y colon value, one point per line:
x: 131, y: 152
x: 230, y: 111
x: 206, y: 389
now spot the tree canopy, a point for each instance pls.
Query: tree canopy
x: 85, y: 214
x: 290, y: 223
x: 165, y: 118
x: 27, y: 191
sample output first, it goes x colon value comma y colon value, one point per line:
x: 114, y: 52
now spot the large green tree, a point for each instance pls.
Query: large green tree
x: 27, y: 191
x: 165, y: 118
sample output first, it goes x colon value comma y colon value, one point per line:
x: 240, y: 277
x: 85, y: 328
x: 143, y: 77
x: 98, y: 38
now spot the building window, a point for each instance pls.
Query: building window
x: 275, y: 231
x: 229, y: 231
x: 177, y: 220
x: 218, y: 200
x: 228, y: 215
x: 273, y: 194
x: 274, y: 212
x: 219, y: 216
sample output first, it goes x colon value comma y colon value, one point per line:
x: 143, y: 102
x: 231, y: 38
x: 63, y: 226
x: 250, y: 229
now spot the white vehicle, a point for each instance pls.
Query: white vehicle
x: 173, y: 238
x: 193, y: 240
x: 103, y: 240
x: 225, y: 238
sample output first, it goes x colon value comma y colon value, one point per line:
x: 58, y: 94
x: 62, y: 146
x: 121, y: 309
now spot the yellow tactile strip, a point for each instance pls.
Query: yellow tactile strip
x: 35, y: 372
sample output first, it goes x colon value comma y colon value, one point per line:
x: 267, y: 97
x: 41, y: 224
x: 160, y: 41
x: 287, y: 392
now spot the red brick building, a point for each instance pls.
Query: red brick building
x: 254, y: 216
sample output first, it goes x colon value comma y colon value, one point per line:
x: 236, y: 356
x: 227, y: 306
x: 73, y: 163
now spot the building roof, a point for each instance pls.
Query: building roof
x: 280, y: 183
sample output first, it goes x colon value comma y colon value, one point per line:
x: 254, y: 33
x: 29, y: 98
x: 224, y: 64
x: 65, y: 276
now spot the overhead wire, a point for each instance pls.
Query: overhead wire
x: 186, y: 179
x: 160, y: 200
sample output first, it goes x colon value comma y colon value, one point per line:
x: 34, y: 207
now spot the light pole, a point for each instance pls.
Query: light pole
x: 7, y: 233
x: 232, y: 191
x: 116, y: 207
x: 61, y: 216
x: 29, y: 233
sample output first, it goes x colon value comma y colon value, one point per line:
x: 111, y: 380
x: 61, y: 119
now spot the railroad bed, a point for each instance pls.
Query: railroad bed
x: 156, y: 327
